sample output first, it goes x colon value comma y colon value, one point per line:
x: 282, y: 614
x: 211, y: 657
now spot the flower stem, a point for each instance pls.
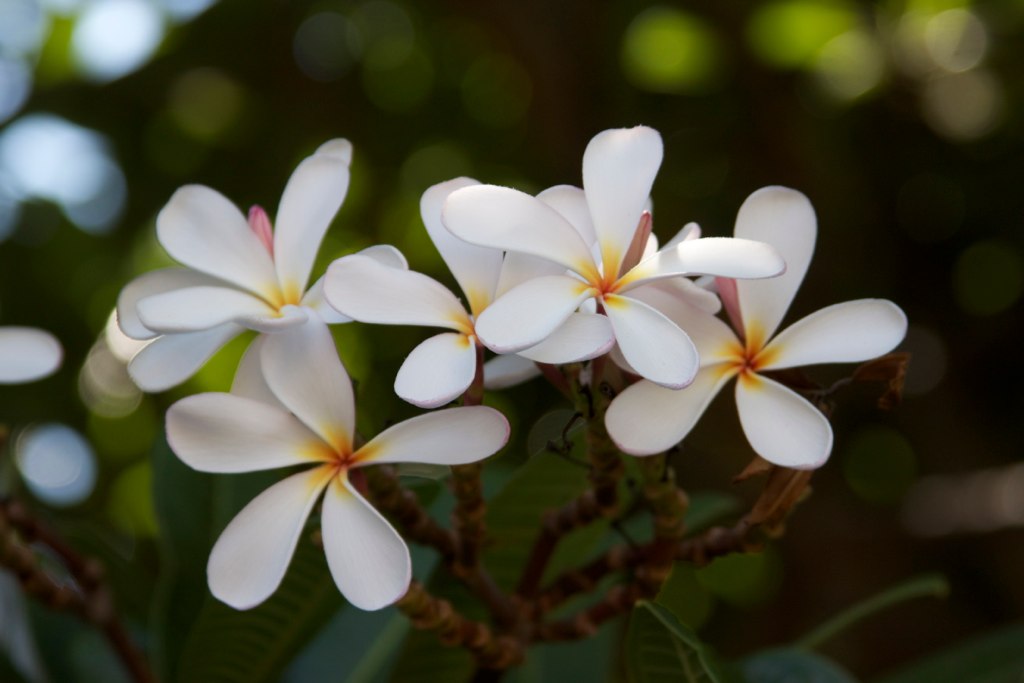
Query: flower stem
x: 470, y: 508
x: 401, y: 503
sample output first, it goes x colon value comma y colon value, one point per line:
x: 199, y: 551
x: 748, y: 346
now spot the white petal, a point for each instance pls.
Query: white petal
x: 365, y: 290
x: 27, y: 354
x: 785, y: 219
x: 155, y: 282
x: 475, y: 268
x: 302, y: 368
x: 782, y: 426
x: 651, y: 343
x: 219, y: 432
x: 619, y: 167
x: 527, y: 314
x: 249, y: 381
x: 315, y: 300
x: 506, y: 371
x: 199, y: 308
x: 690, y: 231
x: 843, y: 333
x: 252, y: 555
x: 677, y: 289
x: 200, y: 228
x: 725, y: 256
x: 338, y: 147
x: 714, y: 340
x: 581, y: 337
x: 275, y: 321
x: 386, y: 255
x: 453, y: 436
x: 437, y: 371
x: 504, y: 218
x: 368, y: 559
x: 171, y: 359
x: 647, y: 418
x: 517, y: 268
x: 571, y: 202
x: 313, y: 195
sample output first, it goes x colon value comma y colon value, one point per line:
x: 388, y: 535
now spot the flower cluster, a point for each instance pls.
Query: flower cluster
x: 567, y: 276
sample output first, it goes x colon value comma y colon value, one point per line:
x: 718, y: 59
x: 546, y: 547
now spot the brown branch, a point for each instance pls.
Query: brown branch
x: 92, y: 600
x: 619, y: 599
x: 404, y: 507
x: 429, y: 612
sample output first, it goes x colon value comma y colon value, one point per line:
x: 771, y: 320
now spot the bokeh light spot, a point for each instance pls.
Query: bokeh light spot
x: 850, y: 65
x: 15, y: 85
x: 115, y: 37
x: 434, y: 163
x: 879, y: 465
x: 496, y: 91
x: 988, y: 278
x: 669, y: 50
x: 57, y: 464
x: 401, y: 87
x: 791, y: 33
x: 956, y: 40
x: 205, y: 103
x: 47, y: 157
x: 326, y: 44
x: 963, y: 106
x: 131, y: 501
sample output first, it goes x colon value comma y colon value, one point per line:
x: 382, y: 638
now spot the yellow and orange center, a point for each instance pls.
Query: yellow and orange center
x: 748, y: 358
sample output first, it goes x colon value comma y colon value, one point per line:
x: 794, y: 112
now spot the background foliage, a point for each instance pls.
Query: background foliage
x: 902, y: 120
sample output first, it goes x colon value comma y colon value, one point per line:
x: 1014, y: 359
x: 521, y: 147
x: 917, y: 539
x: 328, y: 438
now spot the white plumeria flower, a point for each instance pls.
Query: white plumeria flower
x: 240, y: 273
x: 27, y: 354
x: 619, y: 167
x: 443, y: 367
x: 781, y: 426
x: 299, y: 410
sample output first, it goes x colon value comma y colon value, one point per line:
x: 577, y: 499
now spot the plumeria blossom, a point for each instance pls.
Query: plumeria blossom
x: 443, y: 367
x: 27, y: 354
x: 619, y: 167
x: 240, y: 273
x: 783, y: 427
x: 297, y: 409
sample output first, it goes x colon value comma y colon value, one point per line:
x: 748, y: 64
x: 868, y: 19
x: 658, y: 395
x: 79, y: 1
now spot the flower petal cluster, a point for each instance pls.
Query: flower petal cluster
x: 239, y: 273
x: 619, y: 167
x: 442, y: 367
x: 27, y: 354
x: 292, y: 404
x: 783, y: 427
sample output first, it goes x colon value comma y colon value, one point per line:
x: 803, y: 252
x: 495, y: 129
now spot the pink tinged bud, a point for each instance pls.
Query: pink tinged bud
x: 259, y: 221
x: 636, y: 247
x: 731, y: 302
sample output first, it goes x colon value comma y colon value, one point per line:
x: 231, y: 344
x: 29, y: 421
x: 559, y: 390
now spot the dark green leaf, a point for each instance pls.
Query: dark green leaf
x: 660, y: 649
x: 708, y: 508
x: 254, y: 646
x: 790, y: 665
x: 994, y: 658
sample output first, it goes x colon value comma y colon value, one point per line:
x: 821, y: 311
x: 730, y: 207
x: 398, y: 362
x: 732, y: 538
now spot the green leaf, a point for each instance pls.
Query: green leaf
x: 930, y: 585
x: 708, y: 508
x: 790, y: 665
x: 183, y: 502
x: 381, y: 653
x: 514, y: 515
x: 254, y: 646
x: 659, y: 648
x: 994, y: 658
x: 685, y: 596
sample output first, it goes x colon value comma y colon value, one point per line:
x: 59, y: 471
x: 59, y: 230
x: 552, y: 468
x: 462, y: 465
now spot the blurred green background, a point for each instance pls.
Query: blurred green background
x: 902, y: 120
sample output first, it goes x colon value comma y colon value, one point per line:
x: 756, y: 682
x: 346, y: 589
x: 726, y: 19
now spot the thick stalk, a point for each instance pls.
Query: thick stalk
x: 468, y: 516
x: 429, y: 612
